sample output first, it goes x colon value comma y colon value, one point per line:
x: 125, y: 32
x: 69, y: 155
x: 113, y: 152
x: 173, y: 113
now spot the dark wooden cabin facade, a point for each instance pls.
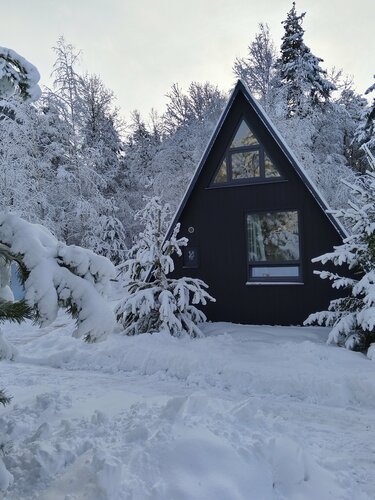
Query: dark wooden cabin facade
x: 254, y: 222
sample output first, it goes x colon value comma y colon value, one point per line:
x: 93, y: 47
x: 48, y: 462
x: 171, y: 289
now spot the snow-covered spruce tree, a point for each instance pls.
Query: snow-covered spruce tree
x: 320, y: 135
x: 108, y: 238
x: 18, y: 88
x: 350, y: 107
x: 100, y: 129
x: 154, y: 302
x: 18, y: 83
x: 299, y: 70
x: 57, y: 276
x: 142, y: 144
x: 20, y: 78
x: 353, y: 315
x: 24, y: 170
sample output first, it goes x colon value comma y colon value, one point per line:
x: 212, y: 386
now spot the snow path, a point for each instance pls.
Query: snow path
x: 244, y: 413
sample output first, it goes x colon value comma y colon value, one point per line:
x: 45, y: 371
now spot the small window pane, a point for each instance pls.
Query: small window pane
x: 191, y: 257
x: 269, y: 167
x: 245, y: 165
x: 221, y: 175
x: 273, y: 236
x: 244, y: 137
x: 275, y: 272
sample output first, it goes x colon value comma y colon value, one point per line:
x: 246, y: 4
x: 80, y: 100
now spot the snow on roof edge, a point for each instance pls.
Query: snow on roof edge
x: 241, y: 85
x: 310, y: 184
x: 201, y: 162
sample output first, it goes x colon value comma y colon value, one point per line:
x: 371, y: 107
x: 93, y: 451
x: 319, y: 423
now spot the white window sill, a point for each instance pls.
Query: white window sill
x: 274, y: 283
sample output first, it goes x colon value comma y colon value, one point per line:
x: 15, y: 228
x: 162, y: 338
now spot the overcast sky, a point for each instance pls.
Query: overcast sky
x: 141, y: 47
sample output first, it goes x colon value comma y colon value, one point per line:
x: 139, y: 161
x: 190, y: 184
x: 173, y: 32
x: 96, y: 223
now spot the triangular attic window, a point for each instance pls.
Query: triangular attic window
x: 245, y: 160
x: 244, y: 137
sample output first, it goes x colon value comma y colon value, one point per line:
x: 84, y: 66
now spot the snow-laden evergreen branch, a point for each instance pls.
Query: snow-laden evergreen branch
x: 58, y: 275
x: 17, y: 75
x: 353, y: 316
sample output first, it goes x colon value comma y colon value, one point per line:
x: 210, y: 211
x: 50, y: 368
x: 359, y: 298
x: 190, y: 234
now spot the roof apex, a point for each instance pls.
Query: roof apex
x: 241, y: 87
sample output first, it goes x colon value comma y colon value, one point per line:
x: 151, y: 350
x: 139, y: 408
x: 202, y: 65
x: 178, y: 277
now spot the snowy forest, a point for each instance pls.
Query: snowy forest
x: 86, y: 204
x: 70, y: 163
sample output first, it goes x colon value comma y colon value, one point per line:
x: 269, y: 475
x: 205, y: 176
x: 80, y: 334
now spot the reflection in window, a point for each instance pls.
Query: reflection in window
x: 275, y: 271
x: 245, y: 165
x: 269, y: 168
x: 221, y: 175
x: 191, y: 257
x: 244, y: 137
x: 273, y: 245
x: 245, y: 160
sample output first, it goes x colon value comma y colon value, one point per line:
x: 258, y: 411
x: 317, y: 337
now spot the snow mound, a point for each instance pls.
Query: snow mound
x: 270, y: 413
x: 189, y: 447
x: 300, y: 368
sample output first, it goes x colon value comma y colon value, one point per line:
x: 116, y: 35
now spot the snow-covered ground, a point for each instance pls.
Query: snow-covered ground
x: 243, y: 413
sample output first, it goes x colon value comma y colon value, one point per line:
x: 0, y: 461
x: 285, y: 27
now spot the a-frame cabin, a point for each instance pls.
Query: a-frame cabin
x: 254, y: 222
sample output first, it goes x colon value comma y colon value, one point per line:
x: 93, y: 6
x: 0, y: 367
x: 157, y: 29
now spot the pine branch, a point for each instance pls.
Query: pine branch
x: 4, y: 399
x: 15, y: 311
x: 22, y: 271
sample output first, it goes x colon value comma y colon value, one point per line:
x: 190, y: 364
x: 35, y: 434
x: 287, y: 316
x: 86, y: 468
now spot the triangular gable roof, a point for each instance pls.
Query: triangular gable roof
x: 242, y: 88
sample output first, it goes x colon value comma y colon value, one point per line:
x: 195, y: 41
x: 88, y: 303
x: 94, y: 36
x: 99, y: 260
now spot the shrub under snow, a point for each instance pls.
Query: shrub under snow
x: 153, y: 301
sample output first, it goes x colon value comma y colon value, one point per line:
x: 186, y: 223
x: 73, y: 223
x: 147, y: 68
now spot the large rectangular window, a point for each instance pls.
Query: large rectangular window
x: 273, y: 246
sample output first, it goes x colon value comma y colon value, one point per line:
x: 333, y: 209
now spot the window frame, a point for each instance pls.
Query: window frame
x: 227, y: 157
x: 298, y: 279
x: 244, y: 149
